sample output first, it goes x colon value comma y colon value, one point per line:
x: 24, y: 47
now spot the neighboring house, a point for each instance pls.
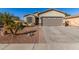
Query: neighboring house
x: 73, y: 20
x: 51, y: 17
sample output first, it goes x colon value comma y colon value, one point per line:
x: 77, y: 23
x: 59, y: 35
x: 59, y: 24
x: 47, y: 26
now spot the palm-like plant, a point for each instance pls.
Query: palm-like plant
x: 6, y: 19
x: 11, y: 23
x: 17, y: 24
x: 1, y: 19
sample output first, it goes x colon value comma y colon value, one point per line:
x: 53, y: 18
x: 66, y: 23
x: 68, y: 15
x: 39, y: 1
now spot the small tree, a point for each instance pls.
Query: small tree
x: 1, y: 19
x: 10, y: 23
x: 17, y: 26
x: 6, y: 19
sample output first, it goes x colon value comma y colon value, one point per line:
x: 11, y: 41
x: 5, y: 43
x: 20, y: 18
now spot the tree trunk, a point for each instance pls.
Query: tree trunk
x: 11, y: 31
x: 16, y: 31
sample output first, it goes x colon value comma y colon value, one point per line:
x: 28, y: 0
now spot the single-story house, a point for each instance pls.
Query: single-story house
x: 51, y: 17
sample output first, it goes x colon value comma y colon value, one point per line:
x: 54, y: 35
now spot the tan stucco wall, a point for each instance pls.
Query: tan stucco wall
x: 52, y: 14
x: 33, y: 21
x: 73, y: 21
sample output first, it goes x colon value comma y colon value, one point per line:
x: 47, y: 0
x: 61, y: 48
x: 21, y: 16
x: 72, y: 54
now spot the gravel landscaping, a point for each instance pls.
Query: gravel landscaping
x: 27, y: 35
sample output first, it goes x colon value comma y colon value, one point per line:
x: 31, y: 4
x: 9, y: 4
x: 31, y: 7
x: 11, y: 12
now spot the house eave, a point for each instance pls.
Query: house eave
x: 53, y: 10
x: 69, y: 17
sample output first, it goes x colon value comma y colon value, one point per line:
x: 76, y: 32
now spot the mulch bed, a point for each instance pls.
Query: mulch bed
x: 23, y: 36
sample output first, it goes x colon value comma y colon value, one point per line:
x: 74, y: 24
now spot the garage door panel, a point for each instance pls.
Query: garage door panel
x: 52, y: 21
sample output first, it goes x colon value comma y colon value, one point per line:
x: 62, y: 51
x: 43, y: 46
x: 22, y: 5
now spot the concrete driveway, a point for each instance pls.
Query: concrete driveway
x: 55, y: 38
x: 60, y: 38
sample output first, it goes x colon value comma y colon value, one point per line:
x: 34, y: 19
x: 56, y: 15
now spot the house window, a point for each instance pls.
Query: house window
x: 29, y: 19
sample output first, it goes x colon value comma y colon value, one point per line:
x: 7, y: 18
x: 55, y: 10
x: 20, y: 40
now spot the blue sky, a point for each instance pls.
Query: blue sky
x: 22, y: 11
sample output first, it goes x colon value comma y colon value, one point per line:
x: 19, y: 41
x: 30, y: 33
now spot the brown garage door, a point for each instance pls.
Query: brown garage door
x: 52, y: 21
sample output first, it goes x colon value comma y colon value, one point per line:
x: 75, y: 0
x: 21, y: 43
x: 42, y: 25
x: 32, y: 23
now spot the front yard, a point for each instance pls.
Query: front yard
x: 27, y: 35
x: 54, y: 38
